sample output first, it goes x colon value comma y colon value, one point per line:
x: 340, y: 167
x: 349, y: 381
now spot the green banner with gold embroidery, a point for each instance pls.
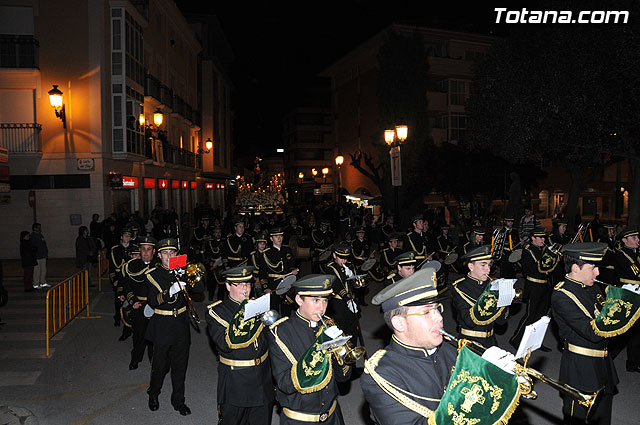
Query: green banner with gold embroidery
x: 313, y: 371
x: 241, y: 333
x: 479, y: 393
x: 620, y: 311
x: 486, y: 310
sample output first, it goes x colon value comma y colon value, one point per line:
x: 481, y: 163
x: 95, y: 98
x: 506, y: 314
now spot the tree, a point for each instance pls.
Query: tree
x: 554, y: 92
x: 402, y: 96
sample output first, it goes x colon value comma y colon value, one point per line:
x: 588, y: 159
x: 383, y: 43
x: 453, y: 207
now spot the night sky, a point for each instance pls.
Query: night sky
x: 280, y: 45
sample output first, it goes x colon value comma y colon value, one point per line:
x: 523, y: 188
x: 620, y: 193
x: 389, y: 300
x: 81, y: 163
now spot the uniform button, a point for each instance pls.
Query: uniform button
x: 323, y: 403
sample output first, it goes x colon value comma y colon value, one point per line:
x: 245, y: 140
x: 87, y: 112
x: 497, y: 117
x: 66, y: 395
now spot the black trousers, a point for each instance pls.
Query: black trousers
x: 574, y: 413
x: 139, y: 342
x: 234, y: 415
x: 537, y: 296
x: 169, y: 357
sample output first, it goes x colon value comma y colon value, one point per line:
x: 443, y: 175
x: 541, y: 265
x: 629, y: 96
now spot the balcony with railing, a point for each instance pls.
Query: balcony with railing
x: 18, y: 51
x: 20, y: 137
x: 177, y: 156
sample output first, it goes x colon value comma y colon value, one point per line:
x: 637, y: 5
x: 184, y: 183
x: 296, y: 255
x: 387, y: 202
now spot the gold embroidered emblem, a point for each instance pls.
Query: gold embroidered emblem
x: 472, y: 396
x: 244, y: 272
x: 615, y: 307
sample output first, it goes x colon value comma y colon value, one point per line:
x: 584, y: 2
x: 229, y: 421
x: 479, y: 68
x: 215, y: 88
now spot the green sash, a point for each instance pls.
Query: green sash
x: 313, y: 371
x: 242, y: 333
x: 479, y: 393
x: 486, y: 310
x: 620, y: 311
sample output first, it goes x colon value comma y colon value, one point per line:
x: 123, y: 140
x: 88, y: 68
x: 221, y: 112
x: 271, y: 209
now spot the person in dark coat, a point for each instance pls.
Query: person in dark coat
x: 86, y: 248
x: 168, y: 328
x: 416, y: 362
x: 476, y: 319
x: 28, y: 259
x: 586, y: 364
x: 245, y: 387
x: 291, y: 343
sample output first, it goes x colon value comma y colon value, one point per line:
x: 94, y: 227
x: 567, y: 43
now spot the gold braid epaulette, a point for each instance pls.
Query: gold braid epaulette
x: 274, y: 331
x: 394, y: 391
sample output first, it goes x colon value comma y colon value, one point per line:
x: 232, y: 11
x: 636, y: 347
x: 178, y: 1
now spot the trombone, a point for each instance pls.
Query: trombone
x: 526, y: 388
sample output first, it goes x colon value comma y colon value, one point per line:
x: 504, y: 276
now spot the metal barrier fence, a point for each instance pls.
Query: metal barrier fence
x: 65, y: 301
x: 103, y: 267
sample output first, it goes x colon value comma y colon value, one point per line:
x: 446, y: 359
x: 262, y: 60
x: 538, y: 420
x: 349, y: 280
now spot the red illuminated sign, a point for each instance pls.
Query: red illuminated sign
x: 163, y: 184
x: 149, y: 183
x: 175, y: 184
x: 217, y: 185
x: 222, y: 186
x: 129, y: 182
x: 194, y: 185
x: 185, y: 184
x: 208, y: 185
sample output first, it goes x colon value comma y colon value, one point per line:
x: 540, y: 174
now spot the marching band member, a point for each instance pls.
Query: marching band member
x: 627, y: 268
x: 406, y: 382
x: 418, y: 240
x: 276, y: 262
x: 507, y: 268
x: 475, y: 311
x: 360, y: 251
x: 214, y: 278
x: 118, y: 256
x: 405, y: 265
x: 306, y: 378
x: 245, y: 387
x: 168, y: 328
x: 136, y: 291
x: 237, y: 248
x: 538, y: 262
x: 576, y: 305
x: 342, y: 306
x: 388, y: 255
x: 255, y: 259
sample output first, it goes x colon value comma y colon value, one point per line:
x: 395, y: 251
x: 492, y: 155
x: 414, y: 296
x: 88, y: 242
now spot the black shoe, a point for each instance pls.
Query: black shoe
x: 133, y: 366
x: 123, y: 337
x: 154, y: 404
x: 545, y: 349
x: 116, y: 323
x: 631, y: 368
x: 183, y: 409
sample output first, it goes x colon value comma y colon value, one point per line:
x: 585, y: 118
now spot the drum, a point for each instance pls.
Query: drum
x: 368, y: 265
x: 515, y: 256
x: 299, y: 248
x: 285, y: 284
x: 451, y: 258
x: 434, y: 264
x: 324, y: 255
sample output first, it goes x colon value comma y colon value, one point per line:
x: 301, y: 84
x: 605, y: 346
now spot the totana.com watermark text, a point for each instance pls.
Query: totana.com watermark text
x: 525, y: 16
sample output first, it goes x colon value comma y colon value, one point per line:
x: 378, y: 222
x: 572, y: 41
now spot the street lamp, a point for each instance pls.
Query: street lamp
x: 208, y: 145
x: 314, y: 172
x: 325, y: 171
x: 158, y: 117
x: 301, y: 176
x: 394, y: 138
x: 55, y: 98
x: 339, y: 162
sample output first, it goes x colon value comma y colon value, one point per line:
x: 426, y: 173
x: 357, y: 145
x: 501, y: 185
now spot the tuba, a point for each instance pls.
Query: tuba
x: 344, y: 354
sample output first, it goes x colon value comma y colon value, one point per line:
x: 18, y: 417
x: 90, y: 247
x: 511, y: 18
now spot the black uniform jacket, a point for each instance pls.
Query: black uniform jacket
x: 420, y: 377
x: 627, y: 265
x: 420, y: 243
x: 135, y: 281
x: 466, y: 292
x: 236, y: 249
x: 167, y: 329
x: 360, y: 251
x: 243, y: 386
x: 574, y: 305
x: 117, y: 259
x: 386, y: 259
x: 289, y: 339
x: 273, y: 264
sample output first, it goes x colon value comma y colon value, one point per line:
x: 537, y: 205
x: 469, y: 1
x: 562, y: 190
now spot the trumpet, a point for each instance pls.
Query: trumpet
x: 526, y: 387
x: 347, y: 353
x: 359, y: 280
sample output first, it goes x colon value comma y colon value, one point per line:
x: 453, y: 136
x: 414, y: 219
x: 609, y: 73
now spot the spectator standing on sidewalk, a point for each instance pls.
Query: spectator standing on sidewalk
x: 40, y: 269
x: 28, y: 258
x: 86, y: 248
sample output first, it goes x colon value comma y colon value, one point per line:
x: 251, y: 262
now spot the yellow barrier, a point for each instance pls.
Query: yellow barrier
x: 103, y: 266
x: 65, y: 301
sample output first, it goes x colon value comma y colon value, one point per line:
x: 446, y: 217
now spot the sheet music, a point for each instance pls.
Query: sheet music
x: 257, y: 306
x: 507, y: 293
x: 533, y: 336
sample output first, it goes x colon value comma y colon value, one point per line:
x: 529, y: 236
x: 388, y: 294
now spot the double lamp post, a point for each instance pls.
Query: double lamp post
x: 395, y: 138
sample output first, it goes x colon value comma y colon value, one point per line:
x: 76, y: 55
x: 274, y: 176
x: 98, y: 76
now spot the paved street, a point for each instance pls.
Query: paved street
x: 86, y: 380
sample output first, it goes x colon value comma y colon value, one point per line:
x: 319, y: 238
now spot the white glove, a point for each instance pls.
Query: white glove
x: 632, y: 287
x: 175, y: 288
x: 352, y: 306
x: 501, y: 358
